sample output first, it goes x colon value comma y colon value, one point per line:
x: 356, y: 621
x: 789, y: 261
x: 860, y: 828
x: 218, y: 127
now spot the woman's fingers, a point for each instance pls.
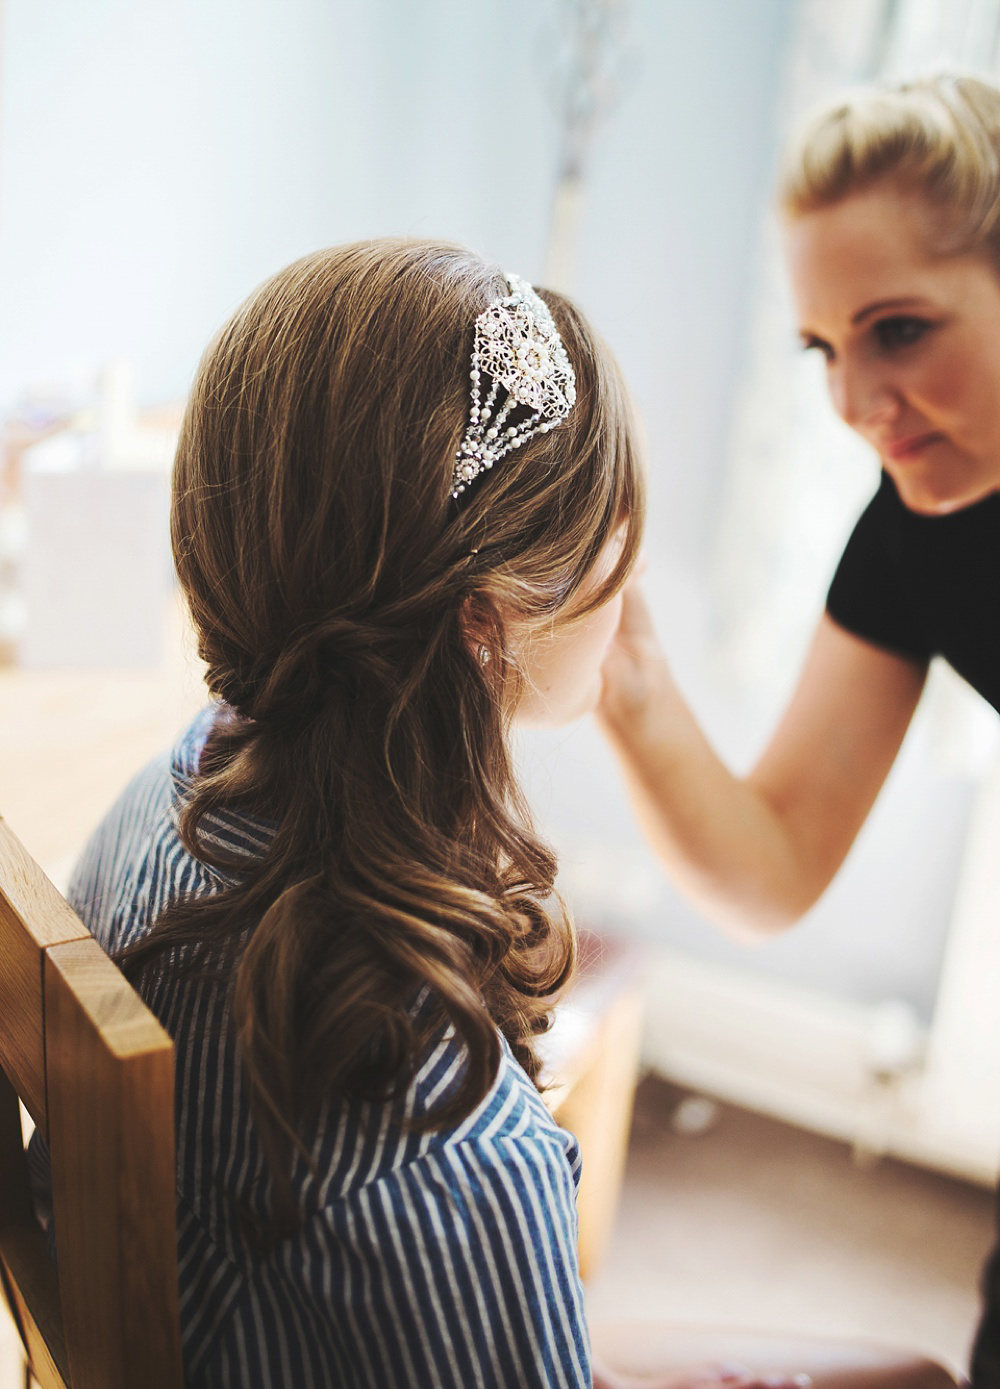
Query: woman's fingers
x: 635, y: 668
x: 636, y: 619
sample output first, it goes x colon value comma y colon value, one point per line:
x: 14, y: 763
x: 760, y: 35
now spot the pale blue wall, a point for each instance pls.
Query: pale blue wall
x: 158, y: 159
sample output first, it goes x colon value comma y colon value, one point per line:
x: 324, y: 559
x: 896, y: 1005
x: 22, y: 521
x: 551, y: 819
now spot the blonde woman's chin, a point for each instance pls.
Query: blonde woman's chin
x: 940, y: 490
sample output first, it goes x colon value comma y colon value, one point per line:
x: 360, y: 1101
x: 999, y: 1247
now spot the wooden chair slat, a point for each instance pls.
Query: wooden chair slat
x: 15, y: 1192
x: 28, y: 1274
x: 34, y: 898
x: 31, y: 1285
x: 26, y: 1271
x: 111, y: 1117
x: 33, y: 917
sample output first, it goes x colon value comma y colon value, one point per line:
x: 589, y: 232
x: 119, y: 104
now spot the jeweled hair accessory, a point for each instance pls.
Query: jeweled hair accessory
x: 519, y: 350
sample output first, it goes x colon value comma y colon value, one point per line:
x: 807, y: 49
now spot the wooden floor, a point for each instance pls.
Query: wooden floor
x: 767, y: 1227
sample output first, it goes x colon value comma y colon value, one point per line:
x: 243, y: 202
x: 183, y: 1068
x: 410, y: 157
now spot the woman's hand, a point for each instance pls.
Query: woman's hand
x: 635, y: 672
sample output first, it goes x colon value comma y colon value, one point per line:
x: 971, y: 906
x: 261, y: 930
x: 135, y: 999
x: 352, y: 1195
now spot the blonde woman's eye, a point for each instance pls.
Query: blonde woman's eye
x: 899, y: 331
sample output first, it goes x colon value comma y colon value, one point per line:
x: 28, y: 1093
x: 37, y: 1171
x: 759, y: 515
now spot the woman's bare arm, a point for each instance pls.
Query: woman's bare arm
x: 756, y: 852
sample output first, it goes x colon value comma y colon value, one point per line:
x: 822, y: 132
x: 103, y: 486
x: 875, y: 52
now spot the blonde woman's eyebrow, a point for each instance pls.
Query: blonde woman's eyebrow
x: 881, y: 305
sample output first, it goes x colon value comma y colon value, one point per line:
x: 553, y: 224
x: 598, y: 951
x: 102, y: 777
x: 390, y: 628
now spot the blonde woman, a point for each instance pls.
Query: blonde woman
x: 891, y: 205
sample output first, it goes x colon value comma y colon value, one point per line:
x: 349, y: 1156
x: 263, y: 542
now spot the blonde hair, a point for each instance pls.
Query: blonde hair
x: 936, y: 137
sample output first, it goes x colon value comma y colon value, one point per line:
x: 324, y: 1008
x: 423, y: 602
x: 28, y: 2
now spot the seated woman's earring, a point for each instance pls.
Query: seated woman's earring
x: 484, y: 655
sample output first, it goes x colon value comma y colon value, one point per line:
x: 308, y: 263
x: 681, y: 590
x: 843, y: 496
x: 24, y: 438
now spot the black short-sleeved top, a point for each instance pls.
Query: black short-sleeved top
x: 925, y: 586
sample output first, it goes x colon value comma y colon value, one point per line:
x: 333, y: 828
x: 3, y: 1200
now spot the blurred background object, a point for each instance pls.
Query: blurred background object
x: 588, y: 56
x: 158, y: 160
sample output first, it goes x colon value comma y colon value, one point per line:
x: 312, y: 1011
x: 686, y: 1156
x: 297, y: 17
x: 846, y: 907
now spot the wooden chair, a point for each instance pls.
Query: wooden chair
x: 95, y: 1071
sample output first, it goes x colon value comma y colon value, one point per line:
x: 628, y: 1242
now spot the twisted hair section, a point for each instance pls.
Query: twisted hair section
x: 936, y: 137
x: 332, y: 579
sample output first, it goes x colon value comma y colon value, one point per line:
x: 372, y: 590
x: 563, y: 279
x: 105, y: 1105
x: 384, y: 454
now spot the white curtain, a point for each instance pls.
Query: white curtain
x: 797, y: 476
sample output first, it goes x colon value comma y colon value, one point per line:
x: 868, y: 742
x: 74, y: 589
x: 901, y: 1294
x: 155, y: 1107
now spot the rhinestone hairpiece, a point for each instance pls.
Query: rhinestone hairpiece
x: 518, y: 349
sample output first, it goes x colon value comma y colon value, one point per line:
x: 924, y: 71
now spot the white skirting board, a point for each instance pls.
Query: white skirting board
x: 806, y: 1058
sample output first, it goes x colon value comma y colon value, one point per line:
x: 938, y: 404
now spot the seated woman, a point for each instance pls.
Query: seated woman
x: 407, y: 496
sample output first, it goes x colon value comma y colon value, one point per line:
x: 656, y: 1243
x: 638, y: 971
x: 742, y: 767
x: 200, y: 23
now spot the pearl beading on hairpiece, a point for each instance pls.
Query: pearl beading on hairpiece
x: 518, y: 347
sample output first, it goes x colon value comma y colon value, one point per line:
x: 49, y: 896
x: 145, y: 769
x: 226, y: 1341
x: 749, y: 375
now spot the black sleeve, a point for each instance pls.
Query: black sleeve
x: 872, y: 595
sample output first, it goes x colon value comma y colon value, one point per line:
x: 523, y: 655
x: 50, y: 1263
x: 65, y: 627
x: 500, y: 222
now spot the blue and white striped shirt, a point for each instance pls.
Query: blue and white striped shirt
x: 423, y: 1259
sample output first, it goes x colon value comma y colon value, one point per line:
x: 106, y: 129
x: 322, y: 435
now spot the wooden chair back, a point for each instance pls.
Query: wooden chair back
x: 95, y: 1071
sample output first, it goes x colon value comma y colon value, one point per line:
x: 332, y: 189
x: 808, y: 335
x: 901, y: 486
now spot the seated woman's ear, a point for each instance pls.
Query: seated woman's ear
x: 482, y: 627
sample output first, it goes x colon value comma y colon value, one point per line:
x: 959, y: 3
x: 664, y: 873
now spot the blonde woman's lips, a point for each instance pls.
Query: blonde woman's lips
x: 911, y: 445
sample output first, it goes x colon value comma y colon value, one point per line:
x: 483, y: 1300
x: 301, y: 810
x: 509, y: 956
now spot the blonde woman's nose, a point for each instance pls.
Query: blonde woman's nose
x: 863, y: 398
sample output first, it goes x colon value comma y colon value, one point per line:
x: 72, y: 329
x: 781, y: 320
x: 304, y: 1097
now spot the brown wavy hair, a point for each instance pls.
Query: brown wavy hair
x: 335, y: 587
